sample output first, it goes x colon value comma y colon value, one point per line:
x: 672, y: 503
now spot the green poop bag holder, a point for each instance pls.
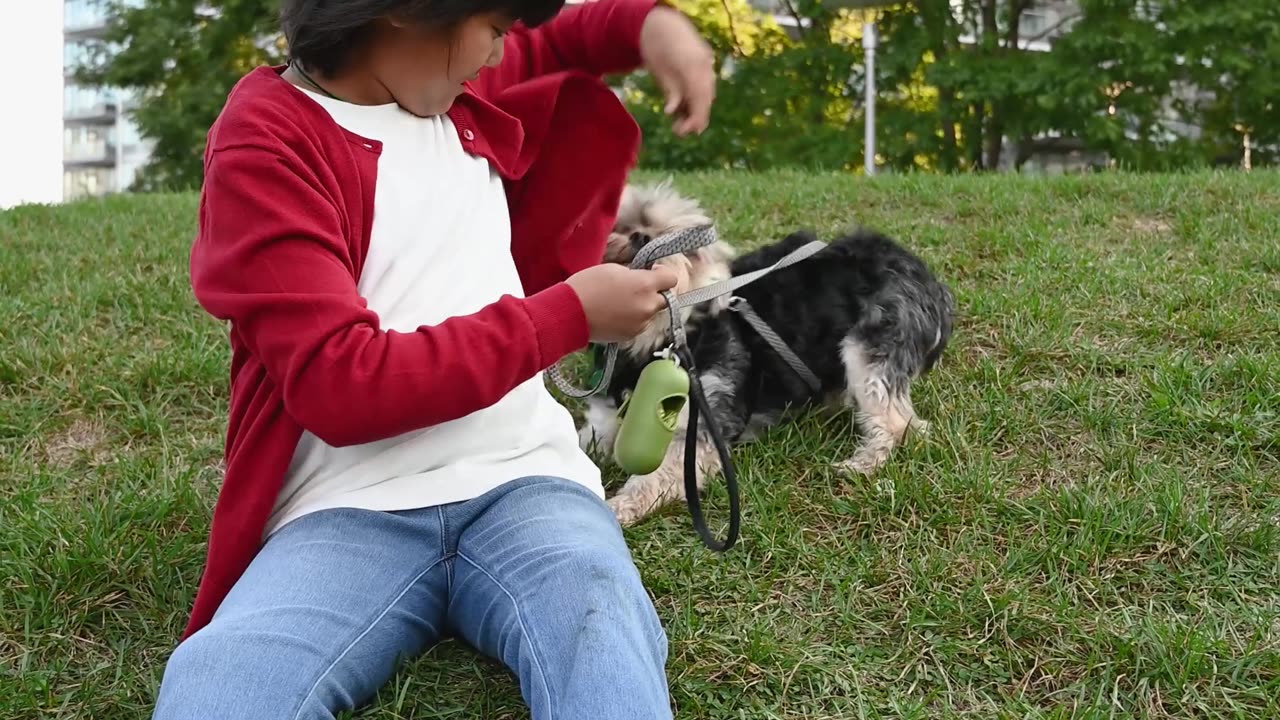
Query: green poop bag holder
x: 650, y: 414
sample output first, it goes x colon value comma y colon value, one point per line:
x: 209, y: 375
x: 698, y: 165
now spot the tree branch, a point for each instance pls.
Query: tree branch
x: 795, y: 15
x: 733, y: 31
x: 1053, y: 28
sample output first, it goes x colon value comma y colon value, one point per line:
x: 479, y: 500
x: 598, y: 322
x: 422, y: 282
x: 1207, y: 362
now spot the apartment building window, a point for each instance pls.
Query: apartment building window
x: 89, y: 143
x: 1034, y: 23
x: 75, y: 54
x: 87, y: 182
x: 81, y: 101
x: 84, y: 14
x: 87, y: 53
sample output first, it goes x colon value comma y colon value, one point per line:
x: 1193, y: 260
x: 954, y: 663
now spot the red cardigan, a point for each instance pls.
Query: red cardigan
x: 284, y: 221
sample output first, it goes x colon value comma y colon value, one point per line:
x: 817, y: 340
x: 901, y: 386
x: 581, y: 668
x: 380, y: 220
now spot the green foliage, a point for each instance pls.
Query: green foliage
x: 733, y: 27
x: 785, y: 109
x: 1113, y: 72
x: 959, y: 83
x: 183, y: 57
x: 959, y: 86
x: 1232, y: 49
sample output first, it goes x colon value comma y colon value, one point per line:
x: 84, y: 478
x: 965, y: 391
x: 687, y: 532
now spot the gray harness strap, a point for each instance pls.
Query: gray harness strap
x: 724, y: 287
x: 683, y: 241
x: 743, y: 308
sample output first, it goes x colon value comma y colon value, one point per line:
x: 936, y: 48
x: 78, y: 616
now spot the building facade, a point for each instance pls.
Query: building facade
x: 101, y: 148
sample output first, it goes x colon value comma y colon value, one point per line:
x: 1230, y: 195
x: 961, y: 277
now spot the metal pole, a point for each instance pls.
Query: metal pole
x: 119, y: 144
x: 869, y: 45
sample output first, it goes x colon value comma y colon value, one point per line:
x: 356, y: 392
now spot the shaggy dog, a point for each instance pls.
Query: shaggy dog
x: 864, y: 314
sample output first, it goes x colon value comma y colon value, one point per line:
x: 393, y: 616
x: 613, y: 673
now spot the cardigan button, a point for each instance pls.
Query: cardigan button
x: 468, y: 135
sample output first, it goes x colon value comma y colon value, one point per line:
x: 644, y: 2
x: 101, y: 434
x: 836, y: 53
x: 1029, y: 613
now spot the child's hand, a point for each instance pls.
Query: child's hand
x: 684, y: 66
x: 620, y: 302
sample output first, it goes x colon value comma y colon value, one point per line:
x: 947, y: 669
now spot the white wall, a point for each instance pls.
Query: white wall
x: 30, y: 102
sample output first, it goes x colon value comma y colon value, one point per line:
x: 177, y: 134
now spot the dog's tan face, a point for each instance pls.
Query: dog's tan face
x: 651, y: 211
x: 647, y: 212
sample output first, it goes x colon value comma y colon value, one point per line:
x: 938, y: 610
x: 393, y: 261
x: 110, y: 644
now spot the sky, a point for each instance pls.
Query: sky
x: 31, y: 104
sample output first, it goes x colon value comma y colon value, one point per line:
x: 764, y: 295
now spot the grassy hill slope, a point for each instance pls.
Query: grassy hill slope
x: 1089, y: 531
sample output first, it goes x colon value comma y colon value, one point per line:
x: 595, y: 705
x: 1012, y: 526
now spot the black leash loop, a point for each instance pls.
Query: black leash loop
x: 697, y: 407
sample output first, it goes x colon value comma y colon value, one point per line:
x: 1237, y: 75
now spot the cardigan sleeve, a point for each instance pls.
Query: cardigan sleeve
x: 599, y: 37
x: 270, y: 256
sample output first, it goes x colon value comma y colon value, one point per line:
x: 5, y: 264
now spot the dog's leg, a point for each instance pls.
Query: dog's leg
x: 881, y: 401
x: 600, y: 427
x: 644, y: 494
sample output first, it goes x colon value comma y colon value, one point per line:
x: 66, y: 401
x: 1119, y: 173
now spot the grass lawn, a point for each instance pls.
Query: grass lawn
x: 1089, y: 531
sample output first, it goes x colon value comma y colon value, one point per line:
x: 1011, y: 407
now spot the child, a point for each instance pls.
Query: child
x: 403, y: 230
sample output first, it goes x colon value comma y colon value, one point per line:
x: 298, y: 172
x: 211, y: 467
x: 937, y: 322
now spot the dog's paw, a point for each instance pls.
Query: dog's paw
x: 626, y: 509
x: 918, y: 426
x: 865, y: 462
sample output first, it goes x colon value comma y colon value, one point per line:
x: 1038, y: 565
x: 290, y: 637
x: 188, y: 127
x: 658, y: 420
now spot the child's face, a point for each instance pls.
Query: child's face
x: 424, y: 69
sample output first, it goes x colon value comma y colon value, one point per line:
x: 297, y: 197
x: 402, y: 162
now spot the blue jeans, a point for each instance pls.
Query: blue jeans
x: 534, y: 573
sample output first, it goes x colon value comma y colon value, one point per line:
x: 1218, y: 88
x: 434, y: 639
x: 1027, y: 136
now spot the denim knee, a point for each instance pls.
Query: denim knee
x: 611, y: 591
x: 217, y: 674
x: 193, y: 678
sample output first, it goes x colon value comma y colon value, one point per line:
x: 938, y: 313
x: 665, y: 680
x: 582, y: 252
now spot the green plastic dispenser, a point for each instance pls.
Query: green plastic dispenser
x: 650, y: 416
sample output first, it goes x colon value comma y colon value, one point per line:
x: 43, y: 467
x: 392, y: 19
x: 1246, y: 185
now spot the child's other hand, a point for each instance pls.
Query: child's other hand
x: 683, y: 65
x: 618, y: 301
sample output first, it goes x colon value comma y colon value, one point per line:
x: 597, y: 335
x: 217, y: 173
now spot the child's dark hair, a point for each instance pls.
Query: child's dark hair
x: 322, y: 33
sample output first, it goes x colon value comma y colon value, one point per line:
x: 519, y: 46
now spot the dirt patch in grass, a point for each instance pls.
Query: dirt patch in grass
x: 1052, y: 457
x: 82, y: 439
x: 1151, y: 225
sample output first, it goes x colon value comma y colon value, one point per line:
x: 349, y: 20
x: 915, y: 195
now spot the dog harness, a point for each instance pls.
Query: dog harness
x: 682, y: 241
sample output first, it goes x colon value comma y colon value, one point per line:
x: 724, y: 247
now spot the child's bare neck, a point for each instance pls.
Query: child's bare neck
x: 356, y: 83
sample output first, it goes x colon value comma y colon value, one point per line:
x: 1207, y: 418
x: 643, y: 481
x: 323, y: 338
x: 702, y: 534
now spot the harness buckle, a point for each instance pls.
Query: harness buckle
x: 668, y: 353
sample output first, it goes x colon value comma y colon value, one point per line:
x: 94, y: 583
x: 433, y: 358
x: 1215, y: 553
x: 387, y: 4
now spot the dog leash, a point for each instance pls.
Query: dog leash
x: 692, y: 499
x: 683, y: 241
x: 680, y: 241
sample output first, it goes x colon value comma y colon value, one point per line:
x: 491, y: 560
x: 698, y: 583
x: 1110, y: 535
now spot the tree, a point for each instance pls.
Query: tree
x: 1230, y: 53
x: 1116, y: 73
x: 957, y: 83
x: 748, y: 98
x: 182, y: 57
x: 953, y: 83
x: 789, y: 100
